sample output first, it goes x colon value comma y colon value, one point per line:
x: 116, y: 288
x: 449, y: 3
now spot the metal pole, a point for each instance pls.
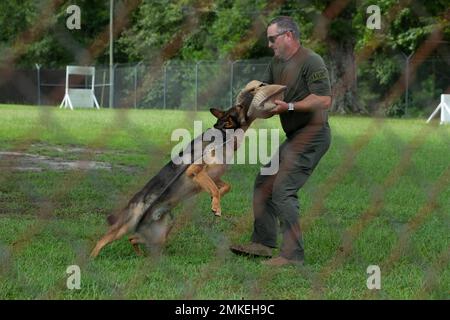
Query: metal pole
x: 165, y: 85
x: 38, y: 69
x: 407, y: 86
x: 135, y: 83
x: 231, y: 84
x: 103, y: 87
x: 111, y: 60
x: 196, y: 84
x: 407, y: 82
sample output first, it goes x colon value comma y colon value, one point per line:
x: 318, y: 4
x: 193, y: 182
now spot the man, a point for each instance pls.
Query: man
x: 304, y: 119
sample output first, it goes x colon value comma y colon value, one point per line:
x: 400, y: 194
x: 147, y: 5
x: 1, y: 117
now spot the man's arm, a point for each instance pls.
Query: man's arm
x: 318, y: 82
x: 310, y: 103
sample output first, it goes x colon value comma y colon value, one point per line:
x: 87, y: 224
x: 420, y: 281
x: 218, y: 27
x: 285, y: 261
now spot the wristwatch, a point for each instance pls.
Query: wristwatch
x: 290, y: 106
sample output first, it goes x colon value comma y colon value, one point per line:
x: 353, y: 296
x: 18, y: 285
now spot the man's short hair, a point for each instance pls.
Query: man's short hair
x: 286, y: 23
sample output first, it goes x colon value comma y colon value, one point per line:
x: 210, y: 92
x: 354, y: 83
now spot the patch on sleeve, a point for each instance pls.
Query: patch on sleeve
x: 318, y: 75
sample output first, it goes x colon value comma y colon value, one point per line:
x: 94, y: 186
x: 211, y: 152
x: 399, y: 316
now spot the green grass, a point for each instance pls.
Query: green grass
x: 51, y: 219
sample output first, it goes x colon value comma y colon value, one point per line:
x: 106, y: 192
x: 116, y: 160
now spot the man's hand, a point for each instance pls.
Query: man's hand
x: 280, y: 108
x: 310, y: 103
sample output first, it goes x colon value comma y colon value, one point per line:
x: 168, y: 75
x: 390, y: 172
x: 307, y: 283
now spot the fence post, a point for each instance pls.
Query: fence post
x: 196, y: 85
x: 111, y: 86
x: 114, y: 84
x: 232, y: 81
x: 38, y: 72
x: 165, y: 85
x: 112, y: 69
x: 135, y: 83
x: 103, y: 87
x: 407, y: 82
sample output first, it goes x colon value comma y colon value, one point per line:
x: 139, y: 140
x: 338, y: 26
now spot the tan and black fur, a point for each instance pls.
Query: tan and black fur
x: 148, y: 214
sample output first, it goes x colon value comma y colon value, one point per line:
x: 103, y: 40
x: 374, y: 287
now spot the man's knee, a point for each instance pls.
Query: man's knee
x: 286, y: 201
x: 281, y: 196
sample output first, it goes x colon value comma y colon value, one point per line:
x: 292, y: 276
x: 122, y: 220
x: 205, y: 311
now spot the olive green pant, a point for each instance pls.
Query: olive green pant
x: 275, y: 196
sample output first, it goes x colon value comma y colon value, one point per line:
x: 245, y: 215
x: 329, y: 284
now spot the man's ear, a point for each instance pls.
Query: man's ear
x: 217, y: 113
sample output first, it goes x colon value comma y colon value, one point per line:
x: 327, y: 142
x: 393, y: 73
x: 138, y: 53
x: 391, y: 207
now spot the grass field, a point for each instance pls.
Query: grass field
x: 380, y: 196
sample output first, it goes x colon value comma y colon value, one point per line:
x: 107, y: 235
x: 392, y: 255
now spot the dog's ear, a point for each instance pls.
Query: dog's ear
x: 241, y: 114
x: 217, y: 113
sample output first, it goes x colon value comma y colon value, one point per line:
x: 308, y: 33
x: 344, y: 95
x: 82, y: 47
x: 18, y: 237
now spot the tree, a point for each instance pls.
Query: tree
x: 406, y: 27
x: 37, y: 31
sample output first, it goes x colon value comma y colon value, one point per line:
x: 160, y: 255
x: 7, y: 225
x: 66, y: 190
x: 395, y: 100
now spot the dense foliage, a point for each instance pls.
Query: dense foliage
x: 161, y: 30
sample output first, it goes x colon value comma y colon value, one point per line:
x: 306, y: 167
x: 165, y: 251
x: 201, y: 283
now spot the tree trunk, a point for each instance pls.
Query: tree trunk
x: 343, y: 78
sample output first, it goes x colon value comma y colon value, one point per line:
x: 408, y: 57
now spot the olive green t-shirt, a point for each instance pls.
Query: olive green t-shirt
x: 304, y: 73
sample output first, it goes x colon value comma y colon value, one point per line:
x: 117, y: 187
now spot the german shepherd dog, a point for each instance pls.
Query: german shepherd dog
x: 148, y: 214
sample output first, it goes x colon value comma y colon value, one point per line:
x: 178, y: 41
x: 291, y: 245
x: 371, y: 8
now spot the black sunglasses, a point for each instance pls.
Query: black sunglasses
x: 273, y: 38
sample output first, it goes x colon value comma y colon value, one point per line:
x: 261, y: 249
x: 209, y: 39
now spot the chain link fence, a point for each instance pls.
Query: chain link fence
x: 199, y: 85
x: 423, y: 85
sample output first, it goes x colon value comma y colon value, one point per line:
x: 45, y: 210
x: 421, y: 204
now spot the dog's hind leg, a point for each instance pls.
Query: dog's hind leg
x: 113, y: 234
x: 155, y: 232
x: 135, y: 240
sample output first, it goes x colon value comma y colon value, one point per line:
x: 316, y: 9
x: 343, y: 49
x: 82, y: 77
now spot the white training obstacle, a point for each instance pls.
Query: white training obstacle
x: 444, y: 106
x: 83, y: 98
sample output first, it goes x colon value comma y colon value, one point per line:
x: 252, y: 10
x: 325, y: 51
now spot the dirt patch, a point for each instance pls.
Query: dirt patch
x: 46, y: 149
x: 21, y: 161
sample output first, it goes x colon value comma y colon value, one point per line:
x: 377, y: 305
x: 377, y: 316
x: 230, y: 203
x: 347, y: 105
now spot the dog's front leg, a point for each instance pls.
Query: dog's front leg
x: 223, y: 187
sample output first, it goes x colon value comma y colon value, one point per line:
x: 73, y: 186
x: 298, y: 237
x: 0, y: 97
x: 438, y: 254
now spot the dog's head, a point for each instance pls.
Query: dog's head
x: 233, y: 118
x: 254, y: 101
